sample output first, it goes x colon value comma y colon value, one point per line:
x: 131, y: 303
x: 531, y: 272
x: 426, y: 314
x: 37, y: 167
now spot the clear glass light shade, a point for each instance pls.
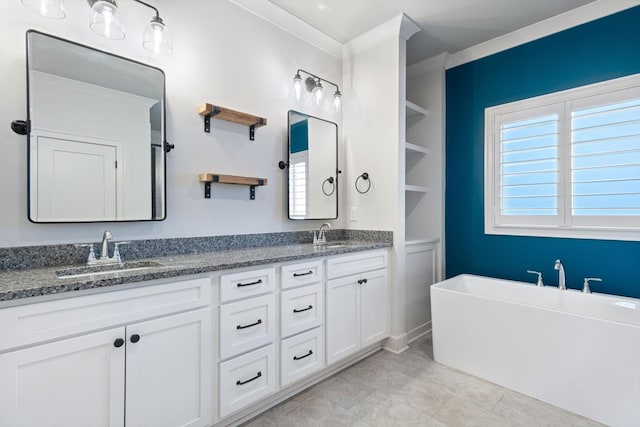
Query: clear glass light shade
x: 106, y: 21
x: 297, y: 87
x: 49, y: 8
x: 317, y: 93
x: 156, y: 37
x: 337, y: 101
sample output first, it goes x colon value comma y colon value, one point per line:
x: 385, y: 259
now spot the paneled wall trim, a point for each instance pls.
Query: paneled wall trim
x: 603, y: 49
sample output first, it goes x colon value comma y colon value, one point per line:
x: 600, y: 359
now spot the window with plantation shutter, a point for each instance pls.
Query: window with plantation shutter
x: 566, y: 164
x: 298, y: 185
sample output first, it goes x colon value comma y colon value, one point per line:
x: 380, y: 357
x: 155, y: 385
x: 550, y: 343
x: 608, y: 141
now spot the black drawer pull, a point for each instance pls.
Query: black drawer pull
x: 258, y: 375
x: 295, y: 310
x: 248, y: 326
x: 135, y: 338
x: 361, y: 281
x: 119, y: 342
x: 302, y: 357
x: 257, y: 282
x: 303, y: 274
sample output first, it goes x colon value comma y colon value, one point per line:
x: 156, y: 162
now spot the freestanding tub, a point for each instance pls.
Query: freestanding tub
x: 580, y: 352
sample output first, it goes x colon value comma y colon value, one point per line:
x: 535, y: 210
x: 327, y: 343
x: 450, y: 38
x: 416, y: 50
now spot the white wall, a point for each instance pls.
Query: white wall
x: 223, y: 55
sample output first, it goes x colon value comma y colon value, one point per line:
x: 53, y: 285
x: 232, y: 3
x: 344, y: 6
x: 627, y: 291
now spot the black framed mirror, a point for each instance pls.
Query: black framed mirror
x: 313, y: 167
x: 96, y: 134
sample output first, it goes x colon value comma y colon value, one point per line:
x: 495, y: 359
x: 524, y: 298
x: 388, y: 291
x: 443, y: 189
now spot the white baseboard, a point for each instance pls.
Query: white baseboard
x: 396, y: 344
x: 418, y: 332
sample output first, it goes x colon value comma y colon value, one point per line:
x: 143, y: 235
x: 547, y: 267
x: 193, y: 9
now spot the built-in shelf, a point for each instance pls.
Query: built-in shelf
x: 222, y: 113
x: 413, y: 240
x: 414, y: 110
x: 413, y: 148
x: 416, y: 189
x: 208, y: 178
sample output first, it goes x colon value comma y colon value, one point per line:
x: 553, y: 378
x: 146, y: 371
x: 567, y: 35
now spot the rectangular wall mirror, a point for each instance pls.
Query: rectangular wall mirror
x: 313, y: 167
x: 96, y: 130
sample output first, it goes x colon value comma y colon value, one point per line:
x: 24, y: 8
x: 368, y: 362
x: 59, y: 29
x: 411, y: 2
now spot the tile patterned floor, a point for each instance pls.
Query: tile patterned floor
x: 410, y: 389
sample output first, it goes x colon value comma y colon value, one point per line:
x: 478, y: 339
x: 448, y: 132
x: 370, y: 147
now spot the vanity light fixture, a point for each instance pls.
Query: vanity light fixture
x: 48, y: 8
x: 106, y: 21
x: 313, y: 85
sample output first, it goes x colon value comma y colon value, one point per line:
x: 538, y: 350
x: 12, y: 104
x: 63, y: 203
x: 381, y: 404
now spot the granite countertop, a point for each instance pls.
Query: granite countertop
x: 20, y: 284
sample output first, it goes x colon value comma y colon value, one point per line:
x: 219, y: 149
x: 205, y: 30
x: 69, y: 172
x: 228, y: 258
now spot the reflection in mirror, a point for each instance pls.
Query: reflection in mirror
x: 96, y: 135
x: 313, y: 167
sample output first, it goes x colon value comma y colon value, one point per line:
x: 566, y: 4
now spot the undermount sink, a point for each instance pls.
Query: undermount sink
x: 93, y: 270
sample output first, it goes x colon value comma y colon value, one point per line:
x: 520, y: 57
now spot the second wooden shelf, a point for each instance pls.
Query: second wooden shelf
x: 252, y: 182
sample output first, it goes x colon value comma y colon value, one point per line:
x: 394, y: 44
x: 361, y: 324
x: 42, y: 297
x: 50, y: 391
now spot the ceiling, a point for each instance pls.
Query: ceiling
x: 447, y: 25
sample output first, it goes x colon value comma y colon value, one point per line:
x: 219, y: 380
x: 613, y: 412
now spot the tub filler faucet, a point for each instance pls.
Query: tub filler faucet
x: 561, y: 278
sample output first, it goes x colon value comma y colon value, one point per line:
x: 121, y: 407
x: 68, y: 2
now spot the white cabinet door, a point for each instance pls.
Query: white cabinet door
x: 343, y: 318
x: 373, y: 307
x: 68, y: 383
x: 169, y: 371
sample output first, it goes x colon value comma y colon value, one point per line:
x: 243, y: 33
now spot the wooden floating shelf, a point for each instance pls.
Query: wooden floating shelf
x: 222, y: 113
x: 252, y: 182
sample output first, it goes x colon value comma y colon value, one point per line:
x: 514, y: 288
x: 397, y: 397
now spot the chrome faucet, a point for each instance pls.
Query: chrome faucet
x: 321, y: 238
x: 104, y: 255
x: 561, y: 278
x: 585, y: 287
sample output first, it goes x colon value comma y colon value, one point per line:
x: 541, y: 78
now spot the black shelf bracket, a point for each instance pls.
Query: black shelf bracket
x: 207, y: 119
x: 207, y: 190
x: 252, y: 192
x: 252, y: 129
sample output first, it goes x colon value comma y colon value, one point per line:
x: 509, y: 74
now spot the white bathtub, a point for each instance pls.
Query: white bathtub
x: 580, y: 352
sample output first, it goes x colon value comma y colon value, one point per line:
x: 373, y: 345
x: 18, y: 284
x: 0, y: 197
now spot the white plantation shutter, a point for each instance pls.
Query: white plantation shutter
x: 566, y: 164
x: 605, y: 160
x: 529, y: 166
x: 298, y: 185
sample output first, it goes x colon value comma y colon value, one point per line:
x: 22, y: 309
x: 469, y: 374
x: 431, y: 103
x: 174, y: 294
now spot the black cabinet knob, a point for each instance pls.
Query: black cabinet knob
x: 135, y: 338
x: 119, y: 342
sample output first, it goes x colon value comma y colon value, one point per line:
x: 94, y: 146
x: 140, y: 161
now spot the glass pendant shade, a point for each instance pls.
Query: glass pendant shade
x: 156, y: 37
x: 297, y: 86
x: 49, y: 8
x: 106, y: 21
x: 317, y: 93
x: 337, y: 101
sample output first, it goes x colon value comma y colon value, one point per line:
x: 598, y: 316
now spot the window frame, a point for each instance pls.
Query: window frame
x: 564, y: 224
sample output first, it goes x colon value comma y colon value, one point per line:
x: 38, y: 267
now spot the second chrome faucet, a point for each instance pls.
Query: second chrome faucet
x: 561, y: 277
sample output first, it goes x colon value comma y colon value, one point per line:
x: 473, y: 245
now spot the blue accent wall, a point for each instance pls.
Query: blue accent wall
x: 599, y: 50
x: 299, y: 136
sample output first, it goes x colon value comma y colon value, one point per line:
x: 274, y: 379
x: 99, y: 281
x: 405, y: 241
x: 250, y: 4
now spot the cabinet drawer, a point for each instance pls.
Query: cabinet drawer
x: 246, y: 325
x: 246, y: 379
x: 247, y: 283
x: 304, y: 273
x: 301, y: 355
x: 358, y: 263
x: 300, y: 309
x: 33, y: 323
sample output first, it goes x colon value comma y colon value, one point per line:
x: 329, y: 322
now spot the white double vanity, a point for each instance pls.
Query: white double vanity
x: 197, y: 350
